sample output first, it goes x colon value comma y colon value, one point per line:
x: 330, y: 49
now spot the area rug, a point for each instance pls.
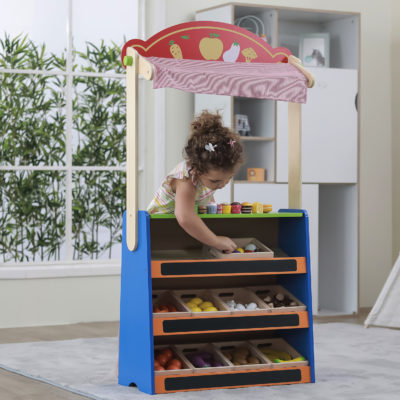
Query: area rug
x: 352, y: 362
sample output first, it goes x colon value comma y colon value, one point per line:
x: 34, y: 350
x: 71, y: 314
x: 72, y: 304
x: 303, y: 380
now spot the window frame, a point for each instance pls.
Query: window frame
x: 68, y: 266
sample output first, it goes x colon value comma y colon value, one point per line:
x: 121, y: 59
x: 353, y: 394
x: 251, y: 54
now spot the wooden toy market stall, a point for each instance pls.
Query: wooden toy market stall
x: 162, y: 265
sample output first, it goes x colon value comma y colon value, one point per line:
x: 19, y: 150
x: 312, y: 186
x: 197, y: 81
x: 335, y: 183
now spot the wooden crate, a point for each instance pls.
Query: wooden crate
x: 186, y: 369
x: 232, y: 345
x: 272, y: 290
x: 241, y: 242
x: 185, y: 350
x: 166, y: 297
x: 240, y: 295
x: 183, y: 296
x: 279, y: 344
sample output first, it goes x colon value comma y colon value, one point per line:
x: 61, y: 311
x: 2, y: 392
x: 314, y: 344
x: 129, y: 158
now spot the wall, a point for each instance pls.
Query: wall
x: 395, y: 52
x: 375, y: 124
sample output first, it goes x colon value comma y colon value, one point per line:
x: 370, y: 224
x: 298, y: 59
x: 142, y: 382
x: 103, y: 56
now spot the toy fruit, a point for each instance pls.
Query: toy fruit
x: 171, y: 308
x: 156, y: 363
x: 206, y: 304
x: 196, y: 300
x: 250, y: 247
x: 175, y: 362
x: 211, y: 308
x: 196, y: 309
x: 211, y: 47
x: 161, y: 308
x: 159, y: 368
x: 162, y: 359
x: 168, y: 353
x: 240, y: 250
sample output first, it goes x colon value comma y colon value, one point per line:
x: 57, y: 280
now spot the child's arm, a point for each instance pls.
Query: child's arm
x: 185, y: 197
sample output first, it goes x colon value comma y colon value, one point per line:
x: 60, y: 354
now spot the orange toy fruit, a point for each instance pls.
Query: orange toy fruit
x: 162, y: 359
x: 167, y: 353
x: 171, y: 308
x: 159, y: 368
x: 175, y: 362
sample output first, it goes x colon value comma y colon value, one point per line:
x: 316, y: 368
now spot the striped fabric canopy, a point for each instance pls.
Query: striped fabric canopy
x: 258, y: 80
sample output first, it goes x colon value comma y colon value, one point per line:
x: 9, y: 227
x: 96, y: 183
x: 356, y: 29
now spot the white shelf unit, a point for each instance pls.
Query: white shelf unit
x: 330, y: 145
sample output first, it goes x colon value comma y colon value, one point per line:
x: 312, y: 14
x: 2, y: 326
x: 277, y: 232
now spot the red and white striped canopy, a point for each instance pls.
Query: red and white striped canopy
x: 280, y: 81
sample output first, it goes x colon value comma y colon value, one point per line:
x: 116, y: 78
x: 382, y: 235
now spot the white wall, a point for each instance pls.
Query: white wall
x: 375, y: 123
x: 395, y: 53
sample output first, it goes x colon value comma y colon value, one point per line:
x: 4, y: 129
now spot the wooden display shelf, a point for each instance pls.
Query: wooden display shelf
x: 212, y: 267
x: 232, y: 379
x: 264, y: 215
x: 235, y: 322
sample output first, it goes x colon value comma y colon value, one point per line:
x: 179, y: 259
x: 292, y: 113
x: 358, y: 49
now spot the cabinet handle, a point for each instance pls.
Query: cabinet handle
x: 356, y: 101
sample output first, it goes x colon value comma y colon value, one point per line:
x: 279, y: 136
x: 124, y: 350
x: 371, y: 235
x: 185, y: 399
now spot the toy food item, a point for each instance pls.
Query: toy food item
x: 240, y: 307
x: 226, y: 208
x: 249, y: 54
x: 250, y: 247
x: 162, y: 359
x: 279, y: 300
x: 211, y: 208
x: 203, y: 359
x: 267, y: 208
x: 198, y: 305
x: 257, y: 208
x: 158, y: 368
x: 273, y: 354
x: 236, y: 208
x: 232, y: 54
x: 240, y: 356
x: 202, y: 209
x: 175, y: 50
x: 167, y: 352
x: 211, y: 47
x: 219, y: 208
x: 239, y: 250
x: 196, y: 300
x: 246, y: 208
x: 161, y: 308
x: 171, y: 308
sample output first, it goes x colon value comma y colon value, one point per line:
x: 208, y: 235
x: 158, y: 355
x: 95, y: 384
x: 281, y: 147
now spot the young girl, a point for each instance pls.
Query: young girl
x: 212, y: 154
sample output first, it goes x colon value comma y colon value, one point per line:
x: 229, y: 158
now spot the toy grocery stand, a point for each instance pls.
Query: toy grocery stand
x: 191, y: 320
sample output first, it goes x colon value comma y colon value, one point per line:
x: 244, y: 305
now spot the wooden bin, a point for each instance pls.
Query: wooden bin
x: 166, y: 297
x: 279, y: 344
x: 240, y: 295
x: 266, y: 252
x: 183, y: 296
x: 184, y: 351
x: 229, y: 347
x: 187, y: 368
x: 272, y: 290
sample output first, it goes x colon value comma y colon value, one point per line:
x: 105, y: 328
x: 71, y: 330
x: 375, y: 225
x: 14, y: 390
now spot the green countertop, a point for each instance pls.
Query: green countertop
x: 232, y: 216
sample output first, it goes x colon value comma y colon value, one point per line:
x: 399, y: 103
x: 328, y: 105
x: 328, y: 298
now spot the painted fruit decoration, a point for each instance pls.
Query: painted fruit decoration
x: 249, y: 54
x: 211, y: 47
x: 175, y: 50
x: 232, y: 54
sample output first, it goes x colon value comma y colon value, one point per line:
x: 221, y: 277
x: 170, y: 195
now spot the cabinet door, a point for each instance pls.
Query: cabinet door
x: 329, y: 134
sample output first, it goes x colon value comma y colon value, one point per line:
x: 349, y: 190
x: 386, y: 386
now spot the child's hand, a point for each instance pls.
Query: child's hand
x: 225, y: 244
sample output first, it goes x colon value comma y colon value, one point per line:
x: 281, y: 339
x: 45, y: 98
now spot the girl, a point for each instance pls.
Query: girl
x: 212, y: 156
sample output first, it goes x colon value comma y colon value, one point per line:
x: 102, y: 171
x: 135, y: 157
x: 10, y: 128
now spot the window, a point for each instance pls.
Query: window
x: 62, y: 128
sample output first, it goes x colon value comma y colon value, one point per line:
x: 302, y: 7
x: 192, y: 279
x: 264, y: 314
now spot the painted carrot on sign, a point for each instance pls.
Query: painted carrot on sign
x: 175, y: 50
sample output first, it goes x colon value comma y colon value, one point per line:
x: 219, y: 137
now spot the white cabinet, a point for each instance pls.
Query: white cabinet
x: 329, y: 129
x: 329, y: 144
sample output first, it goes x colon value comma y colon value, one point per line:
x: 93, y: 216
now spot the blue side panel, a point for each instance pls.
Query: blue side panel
x: 136, y: 347
x: 294, y: 241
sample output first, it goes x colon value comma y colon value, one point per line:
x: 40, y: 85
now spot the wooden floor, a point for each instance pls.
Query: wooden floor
x: 17, y: 387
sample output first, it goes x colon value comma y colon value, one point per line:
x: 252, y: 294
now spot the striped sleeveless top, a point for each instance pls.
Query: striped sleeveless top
x: 164, y: 199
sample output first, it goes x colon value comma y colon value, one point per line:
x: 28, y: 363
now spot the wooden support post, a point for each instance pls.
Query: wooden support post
x: 132, y: 73
x: 294, y: 155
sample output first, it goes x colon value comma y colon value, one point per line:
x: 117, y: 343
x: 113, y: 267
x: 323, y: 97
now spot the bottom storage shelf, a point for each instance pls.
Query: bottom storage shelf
x: 232, y: 379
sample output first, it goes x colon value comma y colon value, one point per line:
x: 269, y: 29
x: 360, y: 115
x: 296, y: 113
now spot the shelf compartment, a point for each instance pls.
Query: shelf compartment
x: 232, y: 379
x: 162, y: 297
x: 184, y: 296
x: 186, y: 366
x: 212, y: 267
x: 272, y: 290
x: 230, y: 350
x: 279, y: 344
x: 242, y: 296
x: 229, y: 323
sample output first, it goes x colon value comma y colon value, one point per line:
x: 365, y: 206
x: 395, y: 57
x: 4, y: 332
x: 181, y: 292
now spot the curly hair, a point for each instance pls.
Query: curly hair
x: 207, y: 128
